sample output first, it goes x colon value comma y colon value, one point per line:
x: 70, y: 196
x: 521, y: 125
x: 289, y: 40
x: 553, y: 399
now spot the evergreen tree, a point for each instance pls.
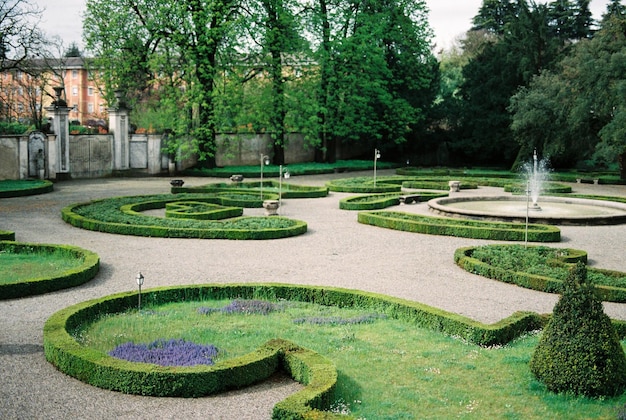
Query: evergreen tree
x: 579, y: 351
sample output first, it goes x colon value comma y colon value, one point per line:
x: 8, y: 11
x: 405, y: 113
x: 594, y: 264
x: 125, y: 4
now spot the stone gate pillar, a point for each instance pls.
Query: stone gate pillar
x: 61, y: 128
x: 118, y: 126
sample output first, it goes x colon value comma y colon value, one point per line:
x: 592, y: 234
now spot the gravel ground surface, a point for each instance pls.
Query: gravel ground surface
x: 336, y: 251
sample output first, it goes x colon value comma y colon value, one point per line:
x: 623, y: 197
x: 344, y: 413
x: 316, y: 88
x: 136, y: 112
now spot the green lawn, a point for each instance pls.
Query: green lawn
x: 388, y: 369
x: 21, y: 266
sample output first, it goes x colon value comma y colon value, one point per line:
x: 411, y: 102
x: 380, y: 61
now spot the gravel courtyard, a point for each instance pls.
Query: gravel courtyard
x: 336, y: 251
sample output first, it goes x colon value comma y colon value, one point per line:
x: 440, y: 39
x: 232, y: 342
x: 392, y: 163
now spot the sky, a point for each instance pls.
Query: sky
x: 448, y: 18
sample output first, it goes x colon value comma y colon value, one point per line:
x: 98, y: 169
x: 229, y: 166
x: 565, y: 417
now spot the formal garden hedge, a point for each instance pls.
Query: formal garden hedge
x: 87, y: 270
x: 286, y: 190
x: 615, y: 292
x: 319, y: 375
x: 20, y: 188
x: 381, y: 201
x: 122, y: 215
x: 500, y: 231
x: 7, y: 235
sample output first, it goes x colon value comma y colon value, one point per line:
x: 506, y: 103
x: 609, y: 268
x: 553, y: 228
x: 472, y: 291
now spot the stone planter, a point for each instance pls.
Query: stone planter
x: 271, y: 207
x: 455, y: 186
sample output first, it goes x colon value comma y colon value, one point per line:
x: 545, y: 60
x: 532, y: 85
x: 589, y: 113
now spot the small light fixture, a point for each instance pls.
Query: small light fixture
x: 139, y: 279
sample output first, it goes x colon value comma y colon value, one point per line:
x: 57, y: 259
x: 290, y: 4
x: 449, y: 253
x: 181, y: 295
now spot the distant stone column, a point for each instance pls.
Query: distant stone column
x: 118, y: 126
x: 61, y: 128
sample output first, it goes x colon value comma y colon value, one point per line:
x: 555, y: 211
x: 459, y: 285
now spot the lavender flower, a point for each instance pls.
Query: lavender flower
x: 166, y: 353
x: 336, y: 320
x: 259, y: 307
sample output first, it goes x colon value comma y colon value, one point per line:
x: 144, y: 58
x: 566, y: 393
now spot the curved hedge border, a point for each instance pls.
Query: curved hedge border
x: 547, y: 188
x: 463, y: 258
x: 122, y: 215
x: 200, y: 211
x: 96, y: 368
x: 381, y: 201
x: 7, y: 235
x: 365, y: 185
x: 287, y: 190
x: 20, y: 188
x: 39, y: 285
x: 460, y: 227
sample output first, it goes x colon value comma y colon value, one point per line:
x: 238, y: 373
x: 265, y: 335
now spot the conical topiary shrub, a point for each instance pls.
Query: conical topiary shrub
x: 579, y: 352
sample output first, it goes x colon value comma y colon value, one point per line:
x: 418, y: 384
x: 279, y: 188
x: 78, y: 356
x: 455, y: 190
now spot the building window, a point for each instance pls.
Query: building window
x: 74, y: 74
x: 75, y: 108
x: 18, y: 75
x: 90, y: 108
x: 74, y: 90
x: 90, y: 91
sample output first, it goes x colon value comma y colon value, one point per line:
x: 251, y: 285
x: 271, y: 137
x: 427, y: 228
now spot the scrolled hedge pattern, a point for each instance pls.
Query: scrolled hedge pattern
x: 40, y: 285
x: 463, y: 258
x: 122, y: 215
x: 460, y: 227
x: 381, y: 201
x: 271, y: 187
x: 99, y: 369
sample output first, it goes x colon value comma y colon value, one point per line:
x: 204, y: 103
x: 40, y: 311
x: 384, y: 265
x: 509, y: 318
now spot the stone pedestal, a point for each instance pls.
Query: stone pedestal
x: 271, y: 207
x: 118, y: 126
x: 455, y: 186
x: 61, y: 128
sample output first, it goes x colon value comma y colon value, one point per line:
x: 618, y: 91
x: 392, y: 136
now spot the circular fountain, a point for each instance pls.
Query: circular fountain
x: 551, y: 210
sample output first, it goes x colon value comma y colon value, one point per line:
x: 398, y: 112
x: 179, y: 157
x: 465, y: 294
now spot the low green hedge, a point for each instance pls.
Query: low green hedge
x: 546, y: 188
x: 20, y: 188
x: 272, y: 187
x: 460, y: 227
x: 7, y: 235
x: 381, y: 201
x: 39, y: 285
x: 200, y: 211
x: 463, y: 258
x: 122, y: 215
x: 365, y: 185
x: 317, y: 373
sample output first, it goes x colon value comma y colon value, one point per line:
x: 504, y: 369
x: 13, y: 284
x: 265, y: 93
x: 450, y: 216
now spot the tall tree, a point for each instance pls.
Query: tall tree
x: 20, y: 38
x: 194, y: 30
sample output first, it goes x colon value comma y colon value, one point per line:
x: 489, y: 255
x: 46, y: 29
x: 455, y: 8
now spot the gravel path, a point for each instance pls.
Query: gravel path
x: 336, y: 251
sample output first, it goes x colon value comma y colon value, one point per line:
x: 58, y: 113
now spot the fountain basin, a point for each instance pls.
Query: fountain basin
x: 552, y: 210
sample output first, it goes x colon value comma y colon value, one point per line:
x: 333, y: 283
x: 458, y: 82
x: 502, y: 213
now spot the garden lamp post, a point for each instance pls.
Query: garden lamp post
x: 265, y: 160
x: 139, y: 279
x: 281, y: 174
x: 376, y: 157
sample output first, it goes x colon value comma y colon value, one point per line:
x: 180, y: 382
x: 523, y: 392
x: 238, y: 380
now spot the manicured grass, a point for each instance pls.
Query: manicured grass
x: 20, y: 266
x: 387, y: 367
x: 22, y: 187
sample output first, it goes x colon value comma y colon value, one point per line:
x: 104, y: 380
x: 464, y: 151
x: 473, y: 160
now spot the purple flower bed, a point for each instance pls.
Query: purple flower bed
x: 336, y: 320
x: 238, y: 306
x: 166, y: 353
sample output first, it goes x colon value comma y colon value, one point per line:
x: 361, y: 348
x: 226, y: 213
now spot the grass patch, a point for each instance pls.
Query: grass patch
x: 23, y: 265
x: 23, y: 187
x: 388, y: 368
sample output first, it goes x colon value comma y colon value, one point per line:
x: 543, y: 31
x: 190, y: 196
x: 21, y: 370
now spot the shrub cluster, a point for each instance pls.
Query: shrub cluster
x: 460, y: 227
x: 7, y: 235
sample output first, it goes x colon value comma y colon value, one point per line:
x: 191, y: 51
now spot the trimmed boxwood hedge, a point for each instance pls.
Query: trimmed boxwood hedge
x: 460, y: 227
x: 99, y: 369
x: 463, y: 258
x: 381, y: 201
x: 39, y: 285
x: 287, y: 190
x: 200, y: 211
x: 24, y: 187
x: 7, y: 235
x: 121, y: 215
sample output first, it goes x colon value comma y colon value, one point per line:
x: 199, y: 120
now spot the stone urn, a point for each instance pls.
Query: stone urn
x: 271, y: 207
